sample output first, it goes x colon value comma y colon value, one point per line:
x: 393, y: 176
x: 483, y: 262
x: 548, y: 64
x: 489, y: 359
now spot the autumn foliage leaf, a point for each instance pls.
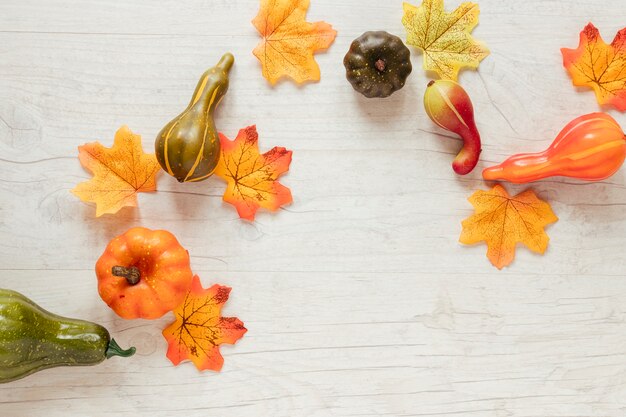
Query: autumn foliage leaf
x: 289, y: 41
x: 502, y: 221
x: 119, y: 172
x: 199, y: 329
x: 599, y: 66
x: 253, y: 177
x: 444, y: 38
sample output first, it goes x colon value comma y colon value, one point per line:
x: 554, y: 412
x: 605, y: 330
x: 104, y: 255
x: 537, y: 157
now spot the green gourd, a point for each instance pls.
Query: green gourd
x: 377, y: 64
x: 33, y: 339
x: 188, y: 147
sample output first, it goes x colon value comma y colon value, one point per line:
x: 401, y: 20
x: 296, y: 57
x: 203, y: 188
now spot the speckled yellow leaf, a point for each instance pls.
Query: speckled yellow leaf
x: 119, y: 172
x: 289, y: 41
x: 444, y: 37
x: 502, y: 221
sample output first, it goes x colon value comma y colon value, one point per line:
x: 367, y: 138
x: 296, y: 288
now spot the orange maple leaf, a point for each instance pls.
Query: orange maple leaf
x: 289, y: 40
x: 199, y: 329
x: 503, y: 221
x: 253, y: 178
x: 599, y: 66
x: 119, y: 172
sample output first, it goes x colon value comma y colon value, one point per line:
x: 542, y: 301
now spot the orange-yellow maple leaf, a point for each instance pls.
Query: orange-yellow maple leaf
x: 599, y: 66
x: 119, y: 172
x: 503, y: 221
x: 253, y: 177
x: 289, y: 41
x: 199, y: 329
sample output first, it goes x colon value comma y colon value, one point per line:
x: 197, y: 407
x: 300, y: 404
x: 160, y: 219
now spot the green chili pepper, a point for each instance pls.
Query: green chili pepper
x: 32, y: 339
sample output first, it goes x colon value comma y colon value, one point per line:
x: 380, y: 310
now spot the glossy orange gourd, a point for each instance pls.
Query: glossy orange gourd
x: 143, y: 273
x: 590, y: 148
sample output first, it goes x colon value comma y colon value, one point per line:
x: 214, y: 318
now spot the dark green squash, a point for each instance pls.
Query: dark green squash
x: 32, y: 339
x: 188, y: 147
x: 377, y: 64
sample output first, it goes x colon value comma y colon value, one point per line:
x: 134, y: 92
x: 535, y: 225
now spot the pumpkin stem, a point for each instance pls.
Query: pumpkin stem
x: 380, y: 65
x: 131, y: 274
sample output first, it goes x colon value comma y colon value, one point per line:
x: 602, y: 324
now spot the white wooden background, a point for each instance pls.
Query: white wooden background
x: 358, y: 298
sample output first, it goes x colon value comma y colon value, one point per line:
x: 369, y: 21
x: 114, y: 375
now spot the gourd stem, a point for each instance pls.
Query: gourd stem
x: 226, y: 62
x: 115, y: 350
x: 380, y: 65
x: 132, y: 274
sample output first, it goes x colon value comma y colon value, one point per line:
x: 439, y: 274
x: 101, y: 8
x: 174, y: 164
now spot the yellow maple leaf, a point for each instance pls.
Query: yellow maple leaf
x: 444, y: 37
x: 119, y: 172
x: 599, y: 66
x: 289, y: 41
x: 503, y: 221
x: 252, y: 177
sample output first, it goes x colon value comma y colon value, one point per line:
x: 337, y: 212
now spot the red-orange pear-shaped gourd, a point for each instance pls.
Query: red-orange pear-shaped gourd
x: 590, y: 148
x: 449, y: 105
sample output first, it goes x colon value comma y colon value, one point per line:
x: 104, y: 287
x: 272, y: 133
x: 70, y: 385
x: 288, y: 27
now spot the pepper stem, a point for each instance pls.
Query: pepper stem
x: 115, y: 350
x: 380, y: 65
x: 131, y: 274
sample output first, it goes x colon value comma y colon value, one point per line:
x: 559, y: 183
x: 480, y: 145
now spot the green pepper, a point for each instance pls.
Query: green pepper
x: 32, y: 339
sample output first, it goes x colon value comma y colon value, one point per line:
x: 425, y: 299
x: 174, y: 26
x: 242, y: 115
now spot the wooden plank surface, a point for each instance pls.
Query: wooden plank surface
x: 358, y: 298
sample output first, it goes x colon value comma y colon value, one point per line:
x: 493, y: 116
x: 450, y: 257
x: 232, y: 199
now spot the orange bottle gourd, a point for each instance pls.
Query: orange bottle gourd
x: 143, y: 273
x: 590, y: 148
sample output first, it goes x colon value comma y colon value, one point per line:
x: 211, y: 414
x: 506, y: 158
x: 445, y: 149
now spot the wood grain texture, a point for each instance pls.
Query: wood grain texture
x: 358, y: 298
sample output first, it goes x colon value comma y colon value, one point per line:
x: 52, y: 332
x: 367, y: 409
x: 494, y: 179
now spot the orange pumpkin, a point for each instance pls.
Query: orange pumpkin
x: 143, y: 273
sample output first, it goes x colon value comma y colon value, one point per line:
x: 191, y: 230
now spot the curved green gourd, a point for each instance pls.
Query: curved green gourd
x: 33, y: 339
x: 188, y: 147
